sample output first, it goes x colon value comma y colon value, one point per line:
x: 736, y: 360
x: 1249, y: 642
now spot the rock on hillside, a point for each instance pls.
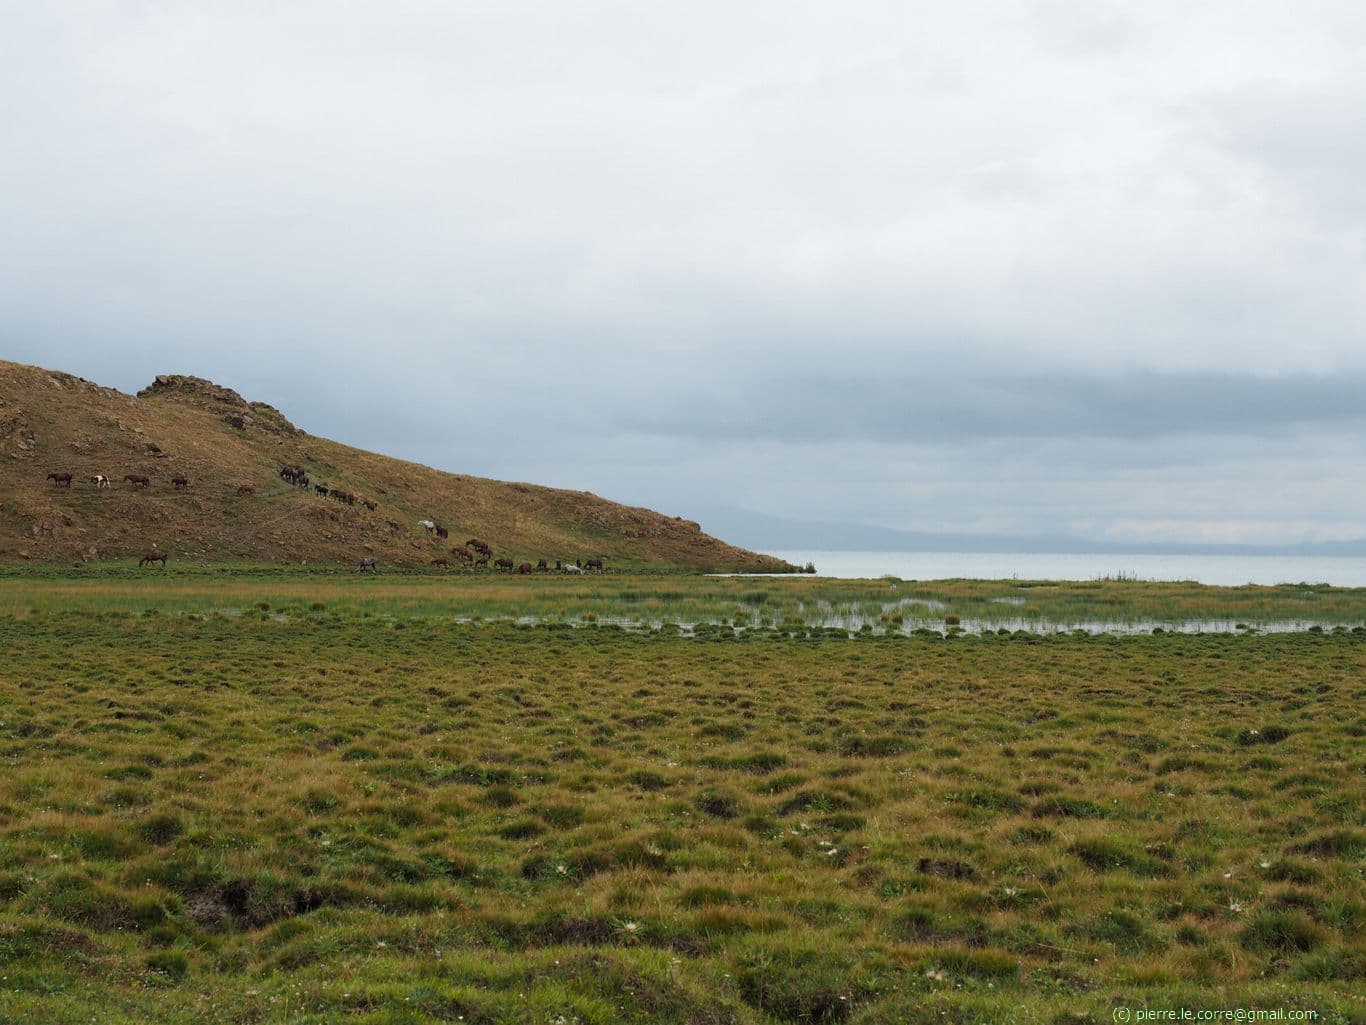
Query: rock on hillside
x: 235, y: 505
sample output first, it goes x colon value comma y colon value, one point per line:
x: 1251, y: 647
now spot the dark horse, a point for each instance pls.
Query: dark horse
x: 442, y: 562
x: 366, y: 564
x: 593, y: 564
x: 155, y: 555
x: 320, y: 488
x: 137, y: 480
x: 483, y: 559
x: 479, y: 546
x: 503, y: 564
x: 180, y: 482
x: 62, y: 480
x: 542, y: 566
x: 442, y: 531
x: 524, y: 568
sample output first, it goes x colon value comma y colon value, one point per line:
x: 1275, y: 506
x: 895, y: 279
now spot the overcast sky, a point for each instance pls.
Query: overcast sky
x: 1065, y: 268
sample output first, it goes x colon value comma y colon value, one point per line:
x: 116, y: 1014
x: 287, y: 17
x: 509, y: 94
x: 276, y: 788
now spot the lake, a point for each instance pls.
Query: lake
x: 1230, y: 570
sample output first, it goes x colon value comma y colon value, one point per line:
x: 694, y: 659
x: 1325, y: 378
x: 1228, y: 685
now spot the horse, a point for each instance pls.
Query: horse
x: 137, y: 480
x: 246, y: 489
x: 479, y: 546
x: 180, y: 482
x: 100, y: 480
x: 366, y: 564
x: 593, y: 564
x: 320, y: 488
x: 442, y: 562
x: 442, y: 532
x: 427, y: 525
x: 462, y: 553
x: 524, y: 568
x: 372, y: 506
x: 542, y: 566
x: 155, y: 555
x: 62, y: 480
x: 395, y: 526
x: 567, y: 568
x: 503, y: 564
x: 483, y: 560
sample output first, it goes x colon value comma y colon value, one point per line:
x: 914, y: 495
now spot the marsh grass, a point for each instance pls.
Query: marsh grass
x: 635, y: 601
x: 301, y: 814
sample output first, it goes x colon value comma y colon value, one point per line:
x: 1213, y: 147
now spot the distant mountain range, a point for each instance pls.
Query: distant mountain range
x: 761, y: 532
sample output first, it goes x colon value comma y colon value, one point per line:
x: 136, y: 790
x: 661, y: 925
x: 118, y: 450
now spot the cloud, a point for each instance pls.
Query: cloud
x: 963, y: 401
x: 695, y: 251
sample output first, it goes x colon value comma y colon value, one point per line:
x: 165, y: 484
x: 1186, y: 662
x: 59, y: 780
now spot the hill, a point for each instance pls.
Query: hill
x: 235, y: 505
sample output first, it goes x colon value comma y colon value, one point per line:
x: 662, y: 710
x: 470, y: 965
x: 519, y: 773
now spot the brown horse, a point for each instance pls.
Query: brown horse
x: 442, y: 562
x: 479, y: 546
x: 504, y: 564
x: 137, y: 480
x: 62, y: 480
x: 372, y: 506
x: 593, y: 564
x: 524, y: 568
x: 483, y: 560
x: 155, y: 555
x: 442, y: 531
x: 246, y: 489
x: 542, y: 566
x: 180, y: 482
x: 462, y: 553
x: 367, y: 564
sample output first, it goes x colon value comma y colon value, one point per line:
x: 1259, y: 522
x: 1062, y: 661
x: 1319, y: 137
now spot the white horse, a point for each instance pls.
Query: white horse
x: 100, y: 480
x: 428, y: 525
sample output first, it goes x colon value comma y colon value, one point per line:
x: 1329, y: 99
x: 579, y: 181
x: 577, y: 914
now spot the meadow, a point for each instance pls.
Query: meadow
x: 233, y: 796
x: 651, y: 600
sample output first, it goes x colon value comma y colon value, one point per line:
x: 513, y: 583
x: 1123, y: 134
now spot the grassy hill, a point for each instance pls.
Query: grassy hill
x: 52, y: 422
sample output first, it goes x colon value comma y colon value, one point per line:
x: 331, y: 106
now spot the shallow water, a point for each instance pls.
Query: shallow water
x: 1226, y: 570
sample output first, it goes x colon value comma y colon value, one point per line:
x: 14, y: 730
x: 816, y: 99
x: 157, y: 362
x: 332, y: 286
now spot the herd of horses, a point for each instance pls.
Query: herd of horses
x: 298, y: 476
x: 136, y: 481
x: 474, y: 553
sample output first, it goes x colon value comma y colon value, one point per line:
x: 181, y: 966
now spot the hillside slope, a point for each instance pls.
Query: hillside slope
x: 52, y: 422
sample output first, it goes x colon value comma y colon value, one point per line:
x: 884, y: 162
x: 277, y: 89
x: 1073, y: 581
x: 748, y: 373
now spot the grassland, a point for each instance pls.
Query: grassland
x: 883, y: 606
x: 241, y: 798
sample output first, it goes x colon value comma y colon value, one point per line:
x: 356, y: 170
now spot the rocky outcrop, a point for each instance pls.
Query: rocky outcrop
x: 234, y: 410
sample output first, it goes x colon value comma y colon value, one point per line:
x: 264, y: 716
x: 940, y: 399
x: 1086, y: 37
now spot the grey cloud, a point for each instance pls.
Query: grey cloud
x: 693, y: 252
x: 967, y: 402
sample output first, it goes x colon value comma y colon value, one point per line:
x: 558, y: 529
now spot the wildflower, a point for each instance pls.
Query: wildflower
x: 1264, y: 863
x: 935, y: 974
x: 630, y: 926
x: 832, y: 850
x: 381, y: 944
x: 1235, y: 907
x: 1009, y: 891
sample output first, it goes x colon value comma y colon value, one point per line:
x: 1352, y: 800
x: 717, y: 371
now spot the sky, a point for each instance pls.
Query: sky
x: 1086, y: 269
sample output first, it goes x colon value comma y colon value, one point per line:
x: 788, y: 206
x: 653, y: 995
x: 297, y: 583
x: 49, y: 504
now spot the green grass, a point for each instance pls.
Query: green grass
x: 366, y: 812
x: 883, y: 606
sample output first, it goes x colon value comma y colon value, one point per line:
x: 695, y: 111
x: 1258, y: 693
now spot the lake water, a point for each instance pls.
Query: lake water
x: 1342, y: 571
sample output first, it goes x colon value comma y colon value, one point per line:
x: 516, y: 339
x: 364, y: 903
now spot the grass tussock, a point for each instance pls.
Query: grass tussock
x: 218, y: 818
